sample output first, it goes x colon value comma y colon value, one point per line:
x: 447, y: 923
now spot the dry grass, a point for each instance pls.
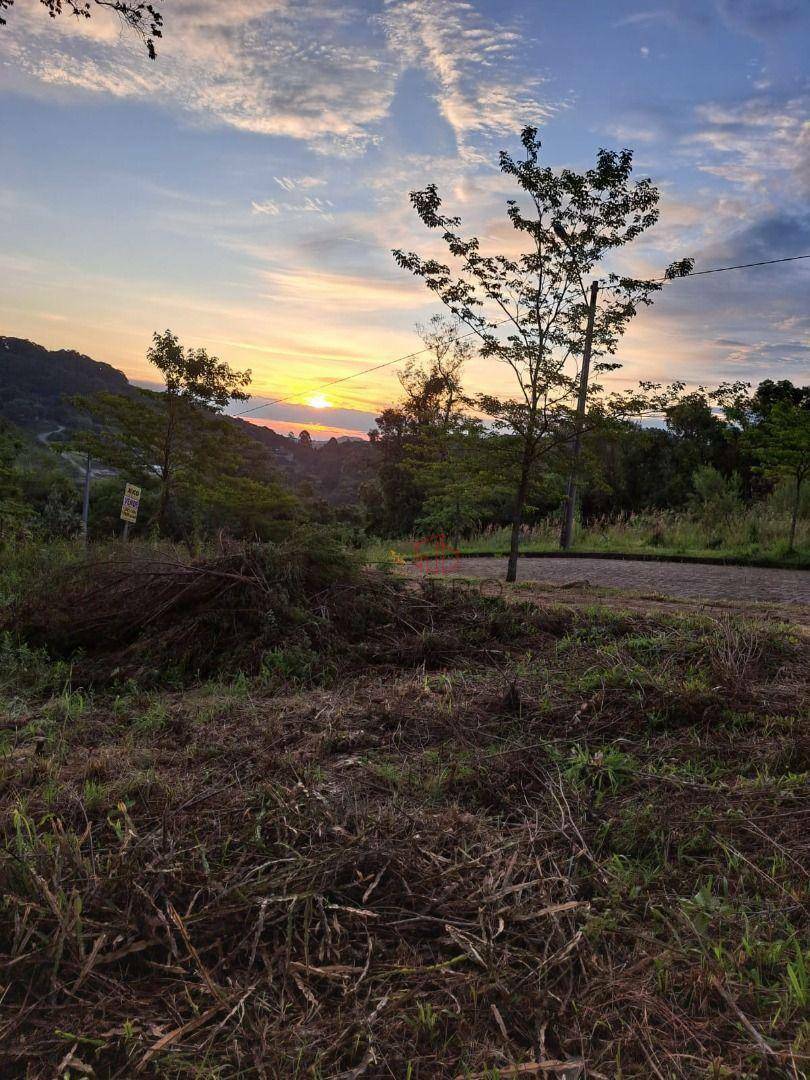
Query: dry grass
x: 502, y: 841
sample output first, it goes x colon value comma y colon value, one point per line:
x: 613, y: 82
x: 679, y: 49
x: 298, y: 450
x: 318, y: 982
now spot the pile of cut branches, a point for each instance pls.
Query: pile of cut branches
x: 143, y: 611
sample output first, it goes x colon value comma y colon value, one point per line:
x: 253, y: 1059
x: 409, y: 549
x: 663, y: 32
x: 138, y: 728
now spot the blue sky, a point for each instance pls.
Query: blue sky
x: 246, y: 188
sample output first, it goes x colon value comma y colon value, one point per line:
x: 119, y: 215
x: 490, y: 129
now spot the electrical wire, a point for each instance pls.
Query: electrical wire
x: 471, y: 333
x: 720, y: 270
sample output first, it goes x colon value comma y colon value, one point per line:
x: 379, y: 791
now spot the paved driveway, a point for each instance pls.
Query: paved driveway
x: 693, y: 580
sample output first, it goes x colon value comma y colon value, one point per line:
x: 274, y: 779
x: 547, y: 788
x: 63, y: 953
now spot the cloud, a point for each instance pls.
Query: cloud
x: 308, y: 205
x: 755, y: 18
x: 272, y: 67
x: 320, y: 71
x: 690, y: 14
x: 762, y: 18
x: 466, y: 58
x: 337, y: 292
x: 757, y: 142
x: 290, y: 183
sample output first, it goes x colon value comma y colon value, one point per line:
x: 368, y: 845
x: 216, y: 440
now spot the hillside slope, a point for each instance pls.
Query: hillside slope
x: 36, y: 383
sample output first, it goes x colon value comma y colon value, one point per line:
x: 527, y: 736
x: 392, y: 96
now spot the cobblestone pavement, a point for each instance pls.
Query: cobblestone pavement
x: 693, y: 580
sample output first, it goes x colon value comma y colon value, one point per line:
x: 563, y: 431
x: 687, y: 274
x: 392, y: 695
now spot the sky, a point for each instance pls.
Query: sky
x: 246, y: 188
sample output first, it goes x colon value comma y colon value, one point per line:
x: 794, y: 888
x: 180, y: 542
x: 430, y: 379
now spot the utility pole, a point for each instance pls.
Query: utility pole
x: 567, y: 532
x: 86, y: 500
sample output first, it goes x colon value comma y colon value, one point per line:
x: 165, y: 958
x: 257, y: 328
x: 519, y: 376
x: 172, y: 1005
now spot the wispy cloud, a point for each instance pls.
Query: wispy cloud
x: 321, y: 71
x: 335, y: 292
x: 757, y: 141
x: 466, y: 57
x: 308, y: 205
x: 273, y: 67
x: 293, y: 183
x: 756, y: 18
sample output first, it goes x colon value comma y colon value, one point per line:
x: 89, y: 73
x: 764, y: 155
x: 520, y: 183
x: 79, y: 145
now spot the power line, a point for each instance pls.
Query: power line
x: 471, y: 333
x: 742, y: 266
x: 354, y: 375
x: 719, y: 270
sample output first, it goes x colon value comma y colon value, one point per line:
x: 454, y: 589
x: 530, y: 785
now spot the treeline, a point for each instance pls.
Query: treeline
x: 432, y: 464
x: 440, y: 469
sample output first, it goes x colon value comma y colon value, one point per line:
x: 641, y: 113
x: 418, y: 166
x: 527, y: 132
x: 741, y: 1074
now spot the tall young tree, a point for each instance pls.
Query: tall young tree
x: 529, y: 311
x: 177, y: 434
x: 195, y: 382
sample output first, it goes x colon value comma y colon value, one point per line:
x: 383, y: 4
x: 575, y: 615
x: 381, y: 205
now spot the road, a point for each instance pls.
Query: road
x: 45, y: 436
x: 688, y: 580
x: 75, y: 461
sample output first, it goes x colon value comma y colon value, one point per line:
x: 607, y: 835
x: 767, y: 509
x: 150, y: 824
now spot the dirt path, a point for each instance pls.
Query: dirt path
x: 741, y: 586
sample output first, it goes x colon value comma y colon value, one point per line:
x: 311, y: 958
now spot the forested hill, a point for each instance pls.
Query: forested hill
x: 36, y: 383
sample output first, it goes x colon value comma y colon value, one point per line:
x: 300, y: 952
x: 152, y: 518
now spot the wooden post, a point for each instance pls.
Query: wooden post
x: 86, y: 500
x: 567, y: 532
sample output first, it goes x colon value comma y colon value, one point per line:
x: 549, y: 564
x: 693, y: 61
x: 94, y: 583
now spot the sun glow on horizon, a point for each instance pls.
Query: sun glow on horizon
x: 318, y: 401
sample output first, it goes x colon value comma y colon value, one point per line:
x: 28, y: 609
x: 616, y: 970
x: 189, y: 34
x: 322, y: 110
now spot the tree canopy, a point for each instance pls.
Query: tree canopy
x: 143, y: 19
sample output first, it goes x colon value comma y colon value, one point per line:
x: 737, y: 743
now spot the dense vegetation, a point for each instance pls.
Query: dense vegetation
x: 709, y: 480
x: 223, y: 472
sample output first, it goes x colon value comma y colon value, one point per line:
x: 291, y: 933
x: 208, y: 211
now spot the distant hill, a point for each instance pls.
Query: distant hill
x: 36, y: 383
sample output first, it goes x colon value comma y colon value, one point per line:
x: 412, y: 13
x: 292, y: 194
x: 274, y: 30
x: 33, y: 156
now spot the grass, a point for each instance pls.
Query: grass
x: 495, y: 835
x: 755, y: 535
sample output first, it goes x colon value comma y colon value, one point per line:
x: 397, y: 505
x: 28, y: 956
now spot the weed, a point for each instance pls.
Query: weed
x: 152, y: 720
x: 94, y: 795
x: 607, y: 769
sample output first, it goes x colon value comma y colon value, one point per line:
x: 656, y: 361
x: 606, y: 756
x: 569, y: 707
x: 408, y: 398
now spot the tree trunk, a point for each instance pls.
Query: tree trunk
x: 517, y: 513
x: 795, y: 516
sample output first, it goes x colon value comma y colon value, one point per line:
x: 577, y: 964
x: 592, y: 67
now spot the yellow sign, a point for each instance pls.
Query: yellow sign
x: 129, y: 507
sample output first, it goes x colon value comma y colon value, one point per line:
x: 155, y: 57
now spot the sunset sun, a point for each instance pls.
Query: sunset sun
x: 318, y: 401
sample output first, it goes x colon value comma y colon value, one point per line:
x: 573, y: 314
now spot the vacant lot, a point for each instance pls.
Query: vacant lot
x: 480, y: 839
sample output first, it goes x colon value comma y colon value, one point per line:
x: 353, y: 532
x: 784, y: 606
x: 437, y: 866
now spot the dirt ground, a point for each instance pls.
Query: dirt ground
x: 753, y: 592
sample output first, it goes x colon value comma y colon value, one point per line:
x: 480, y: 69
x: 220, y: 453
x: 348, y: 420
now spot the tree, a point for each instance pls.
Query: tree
x: 222, y: 478
x: 144, y: 19
x: 573, y: 220
x: 782, y: 444
x: 433, y: 387
x: 691, y: 419
x: 770, y: 393
x: 176, y: 436
x: 305, y: 440
x: 415, y: 439
x: 195, y: 382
